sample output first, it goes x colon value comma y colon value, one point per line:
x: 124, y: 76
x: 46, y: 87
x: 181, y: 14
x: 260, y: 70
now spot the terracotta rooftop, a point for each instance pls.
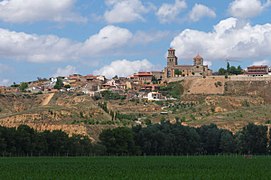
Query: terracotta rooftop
x: 143, y: 74
x: 260, y: 66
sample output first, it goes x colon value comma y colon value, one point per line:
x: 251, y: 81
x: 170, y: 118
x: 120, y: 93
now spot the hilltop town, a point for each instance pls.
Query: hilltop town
x: 191, y: 94
x: 142, y: 85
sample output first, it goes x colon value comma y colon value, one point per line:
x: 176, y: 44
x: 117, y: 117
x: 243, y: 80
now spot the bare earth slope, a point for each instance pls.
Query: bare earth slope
x: 208, y: 85
x: 51, y: 112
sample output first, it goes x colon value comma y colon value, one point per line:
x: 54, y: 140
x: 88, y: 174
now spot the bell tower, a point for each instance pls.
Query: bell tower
x: 172, y: 60
x: 198, y: 60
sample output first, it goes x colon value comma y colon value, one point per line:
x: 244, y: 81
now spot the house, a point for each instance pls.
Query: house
x: 143, y: 77
x: 101, y: 78
x: 110, y: 84
x: 153, y: 96
x: 257, y: 70
x: 90, y: 77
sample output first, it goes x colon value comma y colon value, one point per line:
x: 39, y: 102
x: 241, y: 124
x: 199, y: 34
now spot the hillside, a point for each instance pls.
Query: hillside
x: 229, y: 104
x: 61, y: 111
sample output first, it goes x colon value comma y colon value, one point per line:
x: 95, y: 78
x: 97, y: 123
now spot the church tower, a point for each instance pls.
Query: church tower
x: 172, y: 60
x: 198, y: 60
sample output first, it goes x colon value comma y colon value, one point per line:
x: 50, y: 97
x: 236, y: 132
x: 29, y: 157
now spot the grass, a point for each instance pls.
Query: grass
x: 196, y: 167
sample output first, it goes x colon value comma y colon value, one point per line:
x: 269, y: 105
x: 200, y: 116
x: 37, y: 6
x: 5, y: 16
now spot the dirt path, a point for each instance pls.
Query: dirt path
x: 47, y: 99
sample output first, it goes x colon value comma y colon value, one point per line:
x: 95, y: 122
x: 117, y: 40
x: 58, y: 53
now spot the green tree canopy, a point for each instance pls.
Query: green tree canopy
x: 59, y: 84
x: 23, y: 86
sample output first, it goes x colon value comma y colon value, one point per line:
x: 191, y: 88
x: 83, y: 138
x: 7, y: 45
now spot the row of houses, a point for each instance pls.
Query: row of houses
x: 137, y: 85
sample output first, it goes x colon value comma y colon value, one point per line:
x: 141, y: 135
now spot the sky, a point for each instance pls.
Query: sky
x: 119, y: 37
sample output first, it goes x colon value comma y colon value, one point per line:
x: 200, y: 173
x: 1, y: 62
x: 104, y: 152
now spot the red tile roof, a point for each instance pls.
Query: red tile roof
x: 261, y: 66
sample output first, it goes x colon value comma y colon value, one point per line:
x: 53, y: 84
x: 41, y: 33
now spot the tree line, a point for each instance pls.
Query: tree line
x: 231, y: 70
x: 25, y: 141
x: 155, y: 139
x: 175, y: 139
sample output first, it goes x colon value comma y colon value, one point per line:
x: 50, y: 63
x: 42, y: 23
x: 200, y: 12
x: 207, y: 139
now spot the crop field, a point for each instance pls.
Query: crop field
x: 165, y: 167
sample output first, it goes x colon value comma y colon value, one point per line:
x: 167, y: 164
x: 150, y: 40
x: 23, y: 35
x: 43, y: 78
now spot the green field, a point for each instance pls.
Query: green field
x: 207, y: 167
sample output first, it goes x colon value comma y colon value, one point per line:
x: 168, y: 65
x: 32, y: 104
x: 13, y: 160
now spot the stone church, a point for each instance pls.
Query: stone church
x: 175, y: 70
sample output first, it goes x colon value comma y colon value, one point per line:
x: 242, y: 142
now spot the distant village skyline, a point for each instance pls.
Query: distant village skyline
x: 109, y: 37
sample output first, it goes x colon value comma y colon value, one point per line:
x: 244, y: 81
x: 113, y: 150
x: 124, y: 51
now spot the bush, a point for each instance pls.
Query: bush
x: 109, y: 95
x: 174, y: 89
x: 23, y: 86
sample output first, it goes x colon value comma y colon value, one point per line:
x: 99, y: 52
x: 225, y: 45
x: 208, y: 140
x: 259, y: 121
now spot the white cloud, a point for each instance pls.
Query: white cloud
x: 66, y: 71
x: 108, y: 38
x: 199, y: 11
x: 247, y: 8
x: 123, y: 11
x: 4, y: 82
x: 169, y: 12
x: 20, y: 11
x: 36, y: 48
x: 231, y: 38
x: 123, y: 68
x: 263, y: 62
x: 209, y: 63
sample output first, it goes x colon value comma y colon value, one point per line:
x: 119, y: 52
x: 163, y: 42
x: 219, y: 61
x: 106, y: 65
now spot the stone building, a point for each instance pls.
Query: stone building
x: 142, y: 77
x: 257, y: 70
x: 175, y: 70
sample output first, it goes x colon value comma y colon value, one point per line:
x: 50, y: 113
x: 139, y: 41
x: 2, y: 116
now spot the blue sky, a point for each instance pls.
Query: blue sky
x: 119, y: 37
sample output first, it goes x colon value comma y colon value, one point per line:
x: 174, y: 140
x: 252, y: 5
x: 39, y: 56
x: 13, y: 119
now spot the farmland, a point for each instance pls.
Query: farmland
x: 164, y: 167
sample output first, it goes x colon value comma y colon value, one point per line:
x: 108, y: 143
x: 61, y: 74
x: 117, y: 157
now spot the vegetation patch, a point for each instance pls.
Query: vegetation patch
x: 165, y: 167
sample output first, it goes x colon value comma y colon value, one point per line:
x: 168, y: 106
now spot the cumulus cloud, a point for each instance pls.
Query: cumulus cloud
x: 123, y: 11
x: 169, y: 12
x: 108, y: 38
x: 36, y: 48
x: 231, y: 38
x: 199, y: 11
x: 66, y: 71
x: 123, y: 68
x: 247, y: 8
x: 18, y: 11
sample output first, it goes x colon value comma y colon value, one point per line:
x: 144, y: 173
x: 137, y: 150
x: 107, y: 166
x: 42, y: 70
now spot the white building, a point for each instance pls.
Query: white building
x: 153, y: 96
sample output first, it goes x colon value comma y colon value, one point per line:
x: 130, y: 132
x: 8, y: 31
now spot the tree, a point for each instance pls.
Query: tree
x: 228, y: 67
x: 154, y: 80
x: 119, y: 141
x: 252, y: 139
x: 15, y: 85
x: 210, y: 138
x: 239, y: 70
x: 23, y: 86
x: 222, y: 71
x: 227, y: 142
x: 59, y: 84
